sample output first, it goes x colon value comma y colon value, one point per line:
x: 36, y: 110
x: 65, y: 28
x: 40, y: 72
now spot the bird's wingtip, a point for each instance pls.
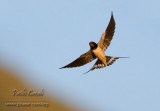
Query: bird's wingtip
x: 111, y: 13
x: 61, y: 67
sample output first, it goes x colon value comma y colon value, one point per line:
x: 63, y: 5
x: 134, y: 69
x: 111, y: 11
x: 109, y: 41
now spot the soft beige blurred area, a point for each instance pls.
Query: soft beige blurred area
x: 14, y: 96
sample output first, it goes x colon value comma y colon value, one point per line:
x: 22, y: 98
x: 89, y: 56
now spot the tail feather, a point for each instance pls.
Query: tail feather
x: 99, y: 64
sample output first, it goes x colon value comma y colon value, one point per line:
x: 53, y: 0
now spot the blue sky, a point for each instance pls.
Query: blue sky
x: 38, y: 37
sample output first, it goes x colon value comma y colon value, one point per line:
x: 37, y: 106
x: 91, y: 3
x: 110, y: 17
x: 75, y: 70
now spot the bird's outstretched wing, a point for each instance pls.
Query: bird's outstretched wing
x: 82, y: 60
x: 99, y: 64
x: 107, y: 35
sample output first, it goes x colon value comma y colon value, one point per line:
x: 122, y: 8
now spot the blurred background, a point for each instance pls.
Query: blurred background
x: 38, y: 37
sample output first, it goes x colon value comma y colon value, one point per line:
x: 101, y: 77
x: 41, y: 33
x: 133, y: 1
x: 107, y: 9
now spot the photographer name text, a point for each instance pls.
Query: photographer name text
x: 28, y: 92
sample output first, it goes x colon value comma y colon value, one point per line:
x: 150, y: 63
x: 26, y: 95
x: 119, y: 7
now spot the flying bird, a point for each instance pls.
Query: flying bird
x: 97, y: 51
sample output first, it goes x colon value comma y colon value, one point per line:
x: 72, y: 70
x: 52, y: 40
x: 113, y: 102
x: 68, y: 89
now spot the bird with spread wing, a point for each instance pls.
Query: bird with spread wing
x: 97, y: 50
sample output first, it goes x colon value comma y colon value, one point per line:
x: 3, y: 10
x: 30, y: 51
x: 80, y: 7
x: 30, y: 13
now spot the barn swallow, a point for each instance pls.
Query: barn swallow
x: 97, y: 50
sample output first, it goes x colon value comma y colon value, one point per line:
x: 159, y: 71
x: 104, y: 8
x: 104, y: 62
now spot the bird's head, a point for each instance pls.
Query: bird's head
x: 93, y: 45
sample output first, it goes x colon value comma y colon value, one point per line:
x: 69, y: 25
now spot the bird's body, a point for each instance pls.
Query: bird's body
x: 99, y: 53
x: 97, y: 50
